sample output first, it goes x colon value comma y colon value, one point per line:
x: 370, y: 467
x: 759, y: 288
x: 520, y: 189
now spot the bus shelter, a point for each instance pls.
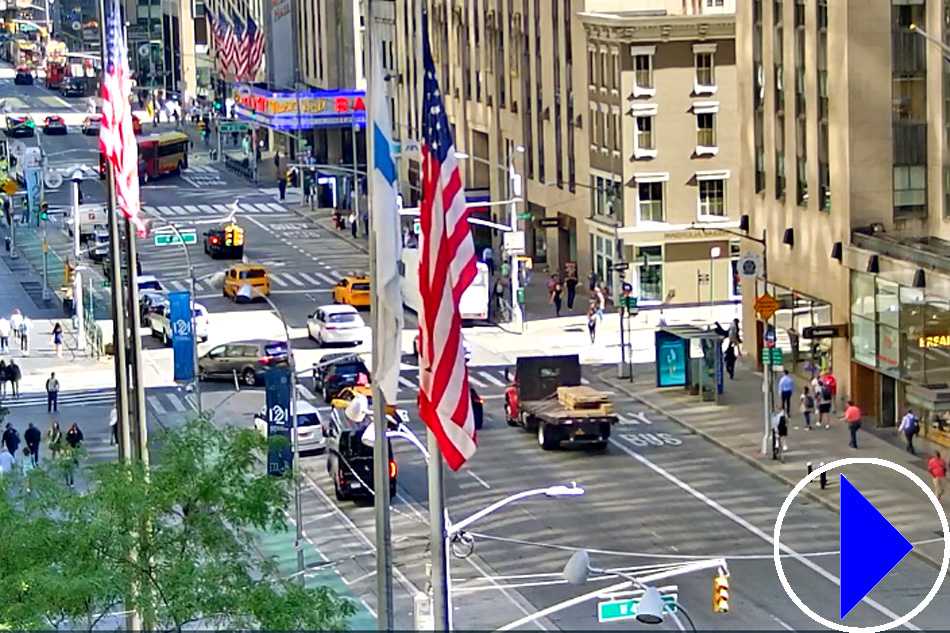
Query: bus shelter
x: 690, y: 357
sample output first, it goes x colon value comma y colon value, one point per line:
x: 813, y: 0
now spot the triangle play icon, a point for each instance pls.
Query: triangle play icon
x: 870, y: 547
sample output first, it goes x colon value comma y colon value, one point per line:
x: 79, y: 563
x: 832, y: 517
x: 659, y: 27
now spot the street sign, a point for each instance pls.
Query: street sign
x: 524, y: 216
x: 769, y: 338
x: 615, y: 610
x: 772, y: 356
x: 627, y: 287
x: 548, y: 223
x: 629, y: 302
x: 167, y: 239
x: 233, y: 127
x: 10, y: 187
x: 749, y: 265
x: 766, y: 306
x: 839, y: 330
x: 621, y: 266
x: 513, y: 242
x: 53, y: 179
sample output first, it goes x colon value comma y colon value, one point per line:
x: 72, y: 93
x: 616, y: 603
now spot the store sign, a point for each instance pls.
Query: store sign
x: 304, y: 110
x: 928, y: 342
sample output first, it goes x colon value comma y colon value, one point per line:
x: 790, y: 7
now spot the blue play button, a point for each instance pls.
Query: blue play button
x: 870, y: 547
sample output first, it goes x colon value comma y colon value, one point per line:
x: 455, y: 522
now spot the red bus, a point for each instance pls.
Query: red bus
x: 159, y: 154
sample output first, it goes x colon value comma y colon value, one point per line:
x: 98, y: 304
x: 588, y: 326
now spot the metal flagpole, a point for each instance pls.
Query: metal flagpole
x: 384, y: 554
x: 136, y: 384
x: 439, y: 580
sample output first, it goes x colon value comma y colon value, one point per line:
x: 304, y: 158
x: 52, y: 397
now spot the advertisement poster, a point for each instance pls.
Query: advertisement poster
x: 672, y: 354
x: 34, y: 191
x: 183, y: 340
x: 277, y: 390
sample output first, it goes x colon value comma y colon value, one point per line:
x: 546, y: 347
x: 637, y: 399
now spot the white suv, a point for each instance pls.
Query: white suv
x: 161, y: 327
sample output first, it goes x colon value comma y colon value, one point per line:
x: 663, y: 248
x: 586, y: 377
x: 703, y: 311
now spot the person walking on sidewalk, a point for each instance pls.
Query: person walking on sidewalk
x: 937, y: 467
x: 599, y: 302
x: 488, y: 256
x: 74, y: 440
x: 26, y: 328
x: 909, y: 426
x: 4, y: 377
x: 806, y: 406
x: 780, y: 428
x: 7, y: 461
x: 571, y: 283
x: 556, y: 298
x: 852, y: 415
x: 13, y: 371
x: 26, y: 465
x: 277, y: 161
x: 54, y: 437
x: 824, y: 404
x: 786, y: 386
x: 11, y: 439
x: 734, y: 337
x: 52, y: 393
x: 113, y: 427
x: 282, y: 188
x: 729, y: 358
x: 5, y: 329
x: 353, y: 223
x: 33, y: 438
x: 16, y: 320
x: 832, y: 383
x: 58, y: 340
x: 592, y: 323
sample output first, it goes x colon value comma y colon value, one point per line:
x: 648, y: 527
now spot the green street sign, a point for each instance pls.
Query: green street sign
x: 628, y: 301
x: 615, y: 610
x: 524, y: 216
x: 772, y: 356
x: 233, y: 127
x: 167, y: 239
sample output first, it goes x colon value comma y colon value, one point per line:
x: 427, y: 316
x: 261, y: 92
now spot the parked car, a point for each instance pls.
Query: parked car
x: 149, y: 301
x: 311, y: 435
x: 337, y: 324
x: 160, y: 325
x: 248, y: 359
x: 350, y: 463
x: 54, y: 124
x: 339, y: 372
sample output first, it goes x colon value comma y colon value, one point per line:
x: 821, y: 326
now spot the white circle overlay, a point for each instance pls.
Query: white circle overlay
x: 847, y: 462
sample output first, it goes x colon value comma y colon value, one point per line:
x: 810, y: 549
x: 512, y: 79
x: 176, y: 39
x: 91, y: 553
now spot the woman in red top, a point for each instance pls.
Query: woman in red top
x: 938, y: 470
x: 852, y: 415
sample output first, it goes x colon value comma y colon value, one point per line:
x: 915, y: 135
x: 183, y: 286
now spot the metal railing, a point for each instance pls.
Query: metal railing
x: 243, y: 167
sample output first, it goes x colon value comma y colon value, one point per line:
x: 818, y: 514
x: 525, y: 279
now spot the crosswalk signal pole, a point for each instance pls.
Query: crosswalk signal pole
x: 77, y: 253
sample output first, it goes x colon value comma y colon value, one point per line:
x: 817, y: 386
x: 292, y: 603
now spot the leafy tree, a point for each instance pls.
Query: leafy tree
x: 177, y: 542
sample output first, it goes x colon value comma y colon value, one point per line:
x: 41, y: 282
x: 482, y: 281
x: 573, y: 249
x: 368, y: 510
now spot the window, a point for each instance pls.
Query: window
x: 643, y: 70
x: 592, y: 68
x: 910, y: 189
x: 615, y: 70
x: 705, y: 131
x: 605, y: 70
x: 644, y: 135
x: 593, y: 127
x: 650, y: 198
x: 714, y: 3
x: 649, y: 262
x: 705, y: 82
x: 615, y: 137
x: 712, y: 198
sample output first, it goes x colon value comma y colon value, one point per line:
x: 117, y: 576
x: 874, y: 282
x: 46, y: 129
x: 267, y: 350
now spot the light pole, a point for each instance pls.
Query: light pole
x: 77, y: 253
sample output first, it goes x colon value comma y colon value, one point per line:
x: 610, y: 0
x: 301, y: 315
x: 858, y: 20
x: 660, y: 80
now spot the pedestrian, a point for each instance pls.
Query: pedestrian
x: 734, y: 336
x: 26, y: 327
x: 729, y: 358
x: 16, y: 320
x: 4, y: 377
x: 364, y: 219
x: 830, y: 380
x: 824, y: 405
x: 786, y: 385
x: 937, y: 467
x: 556, y: 298
x: 336, y: 219
x: 553, y: 280
x: 113, y: 427
x: 353, y: 226
x: 58, y: 340
x: 13, y: 371
x: 52, y: 393
x: 499, y: 292
x: 11, y: 439
x: 257, y: 153
x: 909, y: 426
x: 592, y: 281
x: 33, y: 438
x: 54, y: 438
x: 282, y: 188
x: 806, y: 405
x: 599, y: 302
x: 780, y: 426
x: 177, y: 117
x: 592, y: 323
x: 74, y: 440
x: 5, y: 329
x: 571, y: 284
x: 7, y: 461
x: 26, y: 465
x: 277, y: 160
x: 488, y: 257
x: 852, y: 415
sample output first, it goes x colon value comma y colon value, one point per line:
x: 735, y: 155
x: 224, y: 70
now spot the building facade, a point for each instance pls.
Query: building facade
x: 548, y: 88
x: 844, y: 168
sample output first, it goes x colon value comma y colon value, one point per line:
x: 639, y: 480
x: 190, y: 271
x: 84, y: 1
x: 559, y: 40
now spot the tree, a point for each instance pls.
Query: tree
x: 177, y: 542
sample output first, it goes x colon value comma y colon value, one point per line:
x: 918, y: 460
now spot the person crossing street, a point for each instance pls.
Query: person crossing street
x: 52, y: 393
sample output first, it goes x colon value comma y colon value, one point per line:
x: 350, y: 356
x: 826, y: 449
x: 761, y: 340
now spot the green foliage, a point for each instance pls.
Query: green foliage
x: 176, y: 541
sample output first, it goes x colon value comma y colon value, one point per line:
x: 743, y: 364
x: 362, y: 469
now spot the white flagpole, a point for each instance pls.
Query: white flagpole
x: 384, y: 554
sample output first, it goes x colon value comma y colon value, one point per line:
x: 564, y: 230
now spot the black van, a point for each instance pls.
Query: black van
x: 350, y: 463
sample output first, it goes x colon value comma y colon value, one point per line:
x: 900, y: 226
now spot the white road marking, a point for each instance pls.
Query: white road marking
x: 491, y: 379
x: 478, y: 383
x: 177, y: 404
x: 156, y: 404
x: 405, y: 382
x: 308, y: 278
x: 479, y: 480
x: 325, y: 278
x: 277, y: 280
x: 729, y: 514
x: 293, y: 280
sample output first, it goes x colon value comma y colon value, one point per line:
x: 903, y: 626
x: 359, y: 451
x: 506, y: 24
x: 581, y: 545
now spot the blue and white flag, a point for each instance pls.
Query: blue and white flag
x: 180, y: 321
x: 385, y: 216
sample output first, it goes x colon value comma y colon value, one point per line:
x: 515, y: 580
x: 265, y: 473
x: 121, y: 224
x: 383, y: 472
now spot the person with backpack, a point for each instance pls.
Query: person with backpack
x: 807, y: 406
x: 909, y: 427
x: 824, y: 405
x: 729, y: 358
x: 780, y: 428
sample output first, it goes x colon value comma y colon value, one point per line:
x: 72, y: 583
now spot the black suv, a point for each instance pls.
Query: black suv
x: 23, y: 77
x: 350, y: 463
x: 249, y: 360
x: 73, y: 87
x: 341, y: 371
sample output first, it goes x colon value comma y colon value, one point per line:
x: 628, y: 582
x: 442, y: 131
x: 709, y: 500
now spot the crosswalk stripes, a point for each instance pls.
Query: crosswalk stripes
x: 243, y: 208
x: 283, y: 280
x: 487, y: 378
x: 162, y: 402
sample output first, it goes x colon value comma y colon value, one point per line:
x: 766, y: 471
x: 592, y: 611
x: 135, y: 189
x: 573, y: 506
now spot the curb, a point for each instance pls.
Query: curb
x: 933, y: 562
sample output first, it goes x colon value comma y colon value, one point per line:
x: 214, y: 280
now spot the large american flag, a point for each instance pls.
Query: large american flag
x: 446, y: 268
x: 221, y: 30
x: 255, y: 50
x: 116, y: 137
x: 236, y: 47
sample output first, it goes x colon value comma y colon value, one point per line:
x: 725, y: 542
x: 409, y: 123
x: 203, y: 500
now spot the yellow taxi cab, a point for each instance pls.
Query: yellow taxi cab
x: 346, y: 395
x: 245, y: 282
x: 352, y: 290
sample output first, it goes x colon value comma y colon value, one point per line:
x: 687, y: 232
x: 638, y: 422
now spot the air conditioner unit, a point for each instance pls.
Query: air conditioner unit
x: 547, y: 114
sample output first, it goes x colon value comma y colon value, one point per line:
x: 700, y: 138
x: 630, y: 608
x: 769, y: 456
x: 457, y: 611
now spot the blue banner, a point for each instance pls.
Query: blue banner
x: 183, y: 338
x: 280, y: 456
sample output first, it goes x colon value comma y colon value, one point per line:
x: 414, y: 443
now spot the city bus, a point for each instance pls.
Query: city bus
x: 473, y: 304
x: 159, y: 154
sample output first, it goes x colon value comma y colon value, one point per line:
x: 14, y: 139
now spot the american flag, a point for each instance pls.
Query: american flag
x: 446, y: 268
x: 255, y: 53
x: 116, y: 137
x: 222, y: 41
x: 236, y: 47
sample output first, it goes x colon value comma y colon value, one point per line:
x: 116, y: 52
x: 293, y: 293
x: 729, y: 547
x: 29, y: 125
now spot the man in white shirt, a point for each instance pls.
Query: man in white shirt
x: 16, y: 320
x: 5, y: 329
x: 6, y: 461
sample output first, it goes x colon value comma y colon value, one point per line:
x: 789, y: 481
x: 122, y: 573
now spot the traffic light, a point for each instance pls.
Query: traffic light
x: 721, y: 594
x: 238, y: 236
x: 68, y: 272
x: 217, y: 105
x: 228, y: 236
x: 44, y: 210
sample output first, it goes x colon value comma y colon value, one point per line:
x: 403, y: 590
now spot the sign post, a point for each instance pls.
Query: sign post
x: 183, y: 336
x: 277, y: 386
x: 616, y: 610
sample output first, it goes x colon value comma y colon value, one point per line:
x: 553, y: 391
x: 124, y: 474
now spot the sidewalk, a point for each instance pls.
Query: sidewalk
x: 737, y: 426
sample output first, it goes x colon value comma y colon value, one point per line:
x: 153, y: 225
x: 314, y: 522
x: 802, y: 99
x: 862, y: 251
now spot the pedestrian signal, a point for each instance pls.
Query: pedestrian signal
x: 721, y: 594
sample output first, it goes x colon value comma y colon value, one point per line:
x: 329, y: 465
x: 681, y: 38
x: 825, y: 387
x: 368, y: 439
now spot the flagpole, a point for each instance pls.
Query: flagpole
x: 381, y: 458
